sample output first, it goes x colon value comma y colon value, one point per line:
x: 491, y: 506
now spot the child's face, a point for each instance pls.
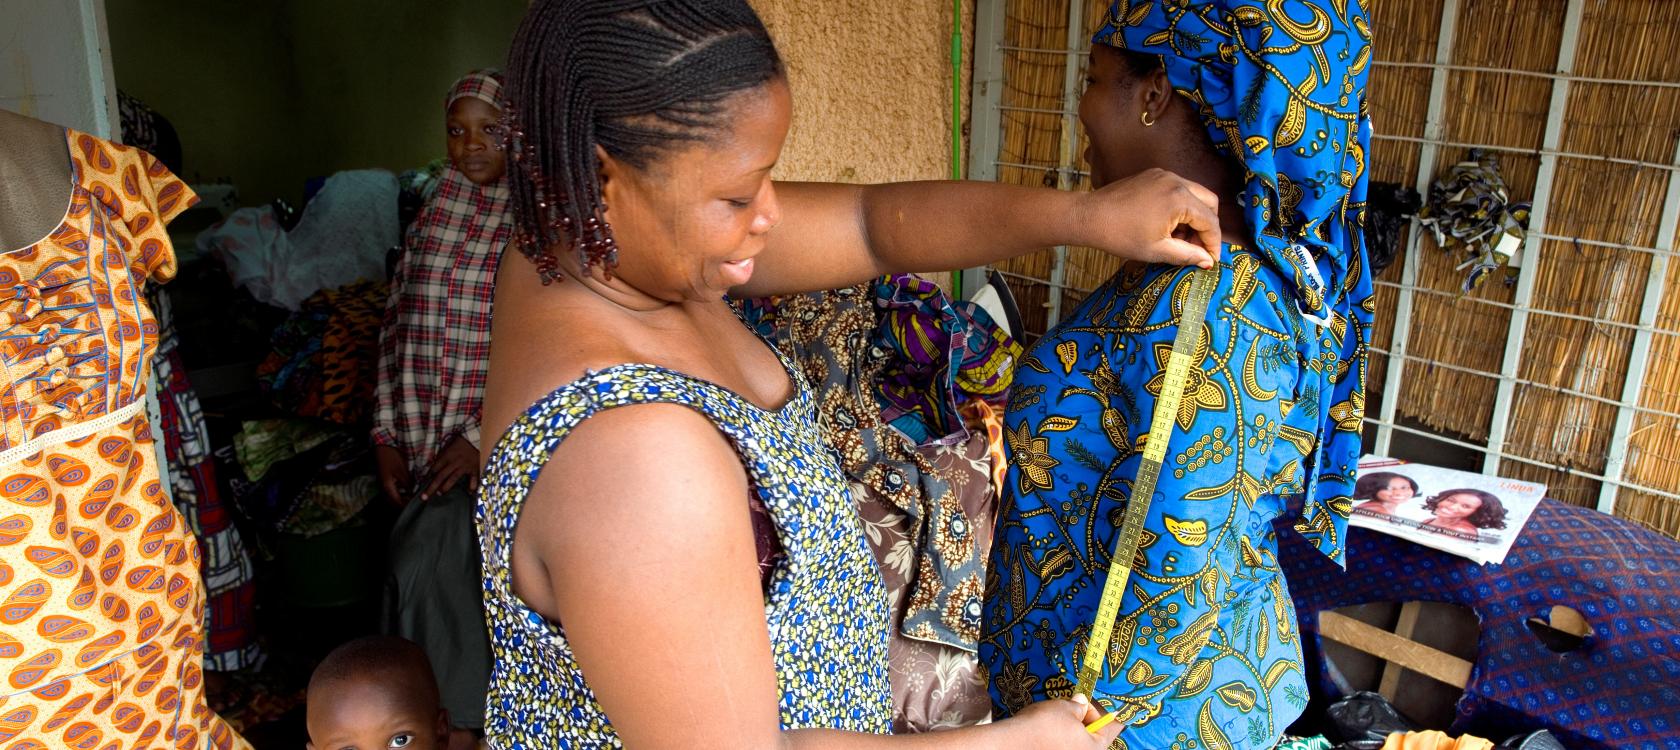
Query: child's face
x: 1457, y: 506
x: 475, y: 140
x: 367, y: 717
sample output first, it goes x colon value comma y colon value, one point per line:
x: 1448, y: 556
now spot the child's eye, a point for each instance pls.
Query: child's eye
x: 401, y: 740
x: 455, y: 132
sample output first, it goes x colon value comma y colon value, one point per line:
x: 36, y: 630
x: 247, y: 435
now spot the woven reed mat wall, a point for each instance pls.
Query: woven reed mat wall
x: 1570, y: 367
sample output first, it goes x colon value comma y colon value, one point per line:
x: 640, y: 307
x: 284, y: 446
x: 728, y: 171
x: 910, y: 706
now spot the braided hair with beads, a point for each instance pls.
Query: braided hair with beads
x: 635, y: 78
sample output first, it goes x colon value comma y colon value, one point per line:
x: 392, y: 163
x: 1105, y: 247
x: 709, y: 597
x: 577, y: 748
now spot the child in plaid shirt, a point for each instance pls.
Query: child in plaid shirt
x: 434, y: 351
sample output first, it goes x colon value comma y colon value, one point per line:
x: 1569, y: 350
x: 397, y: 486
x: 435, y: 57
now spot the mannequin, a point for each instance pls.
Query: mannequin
x: 82, y: 234
x: 34, y: 179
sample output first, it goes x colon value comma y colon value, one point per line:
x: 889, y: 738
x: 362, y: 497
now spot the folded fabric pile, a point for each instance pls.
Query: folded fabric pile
x: 908, y: 383
x: 301, y: 476
x: 324, y: 361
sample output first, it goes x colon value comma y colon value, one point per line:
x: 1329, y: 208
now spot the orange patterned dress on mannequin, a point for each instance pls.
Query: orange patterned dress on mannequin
x: 101, y: 601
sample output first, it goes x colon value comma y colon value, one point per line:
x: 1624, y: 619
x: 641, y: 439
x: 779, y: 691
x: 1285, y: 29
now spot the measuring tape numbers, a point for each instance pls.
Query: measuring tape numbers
x: 1190, y: 320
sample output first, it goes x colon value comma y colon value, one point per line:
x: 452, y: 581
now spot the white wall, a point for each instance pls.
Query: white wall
x: 54, y: 63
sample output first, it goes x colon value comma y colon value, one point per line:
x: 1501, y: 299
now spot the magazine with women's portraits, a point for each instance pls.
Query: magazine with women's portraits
x: 1464, y: 513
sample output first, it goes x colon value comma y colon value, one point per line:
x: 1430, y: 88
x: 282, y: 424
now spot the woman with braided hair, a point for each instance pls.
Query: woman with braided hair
x: 670, y: 555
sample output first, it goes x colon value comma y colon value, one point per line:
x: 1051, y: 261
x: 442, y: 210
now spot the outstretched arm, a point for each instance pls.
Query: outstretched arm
x: 834, y: 235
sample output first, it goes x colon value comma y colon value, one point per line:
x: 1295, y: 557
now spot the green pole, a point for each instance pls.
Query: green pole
x: 956, y: 114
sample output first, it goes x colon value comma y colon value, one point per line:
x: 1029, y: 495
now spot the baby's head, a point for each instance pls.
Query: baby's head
x: 376, y: 693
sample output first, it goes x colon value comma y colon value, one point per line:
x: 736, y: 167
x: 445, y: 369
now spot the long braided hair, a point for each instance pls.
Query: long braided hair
x: 636, y: 78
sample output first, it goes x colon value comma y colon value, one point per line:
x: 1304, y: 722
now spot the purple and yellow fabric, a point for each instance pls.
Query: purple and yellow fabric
x: 938, y: 353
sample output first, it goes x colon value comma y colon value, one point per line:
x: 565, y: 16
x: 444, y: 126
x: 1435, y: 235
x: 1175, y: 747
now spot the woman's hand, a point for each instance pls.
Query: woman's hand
x: 1155, y: 217
x: 1059, y: 724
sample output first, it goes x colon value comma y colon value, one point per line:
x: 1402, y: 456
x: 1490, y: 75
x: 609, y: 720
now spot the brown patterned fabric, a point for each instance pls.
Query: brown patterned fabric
x: 914, y: 503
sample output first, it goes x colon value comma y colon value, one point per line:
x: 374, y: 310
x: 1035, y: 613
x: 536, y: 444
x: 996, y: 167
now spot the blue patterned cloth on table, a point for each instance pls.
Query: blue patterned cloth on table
x: 1206, y: 652
x: 1619, y: 690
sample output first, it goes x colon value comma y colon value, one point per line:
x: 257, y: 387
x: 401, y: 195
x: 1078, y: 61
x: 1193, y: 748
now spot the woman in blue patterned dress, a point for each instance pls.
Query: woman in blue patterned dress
x: 671, y: 558
x: 1264, y: 102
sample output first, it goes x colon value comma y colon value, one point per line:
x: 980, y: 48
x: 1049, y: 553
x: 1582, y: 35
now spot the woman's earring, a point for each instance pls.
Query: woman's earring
x: 1144, y: 118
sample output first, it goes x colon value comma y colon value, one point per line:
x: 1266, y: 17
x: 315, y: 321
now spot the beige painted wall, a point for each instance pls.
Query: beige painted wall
x: 871, y: 86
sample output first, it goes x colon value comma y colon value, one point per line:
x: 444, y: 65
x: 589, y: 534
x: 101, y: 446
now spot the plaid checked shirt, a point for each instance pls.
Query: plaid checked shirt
x: 435, y: 342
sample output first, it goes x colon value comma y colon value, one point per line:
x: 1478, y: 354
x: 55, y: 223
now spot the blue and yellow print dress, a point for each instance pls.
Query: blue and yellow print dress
x: 825, y: 604
x: 1205, y: 652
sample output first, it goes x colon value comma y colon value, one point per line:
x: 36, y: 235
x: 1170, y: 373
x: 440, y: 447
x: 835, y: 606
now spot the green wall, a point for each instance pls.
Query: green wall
x: 268, y: 93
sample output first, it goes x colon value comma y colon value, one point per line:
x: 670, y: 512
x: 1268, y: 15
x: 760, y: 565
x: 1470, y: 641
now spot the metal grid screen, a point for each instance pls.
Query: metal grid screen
x: 1568, y: 376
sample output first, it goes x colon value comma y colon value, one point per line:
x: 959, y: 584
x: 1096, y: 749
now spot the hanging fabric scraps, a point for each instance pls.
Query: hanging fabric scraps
x: 1470, y: 211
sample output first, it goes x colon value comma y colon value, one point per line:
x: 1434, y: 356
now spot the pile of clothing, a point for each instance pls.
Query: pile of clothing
x: 341, y: 238
x: 910, y: 385
x: 324, y: 361
x: 300, y: 476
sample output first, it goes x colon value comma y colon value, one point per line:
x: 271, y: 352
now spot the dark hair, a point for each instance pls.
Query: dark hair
x: 1490, y: 516
x: 1370, y: 484
x: 395, y: 664
x: 1138, y: 64
x: 634, y: 77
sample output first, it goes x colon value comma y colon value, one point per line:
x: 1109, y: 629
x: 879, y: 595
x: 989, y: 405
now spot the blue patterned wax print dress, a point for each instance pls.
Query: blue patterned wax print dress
x: 825, y: 606
x: 1206, y: 652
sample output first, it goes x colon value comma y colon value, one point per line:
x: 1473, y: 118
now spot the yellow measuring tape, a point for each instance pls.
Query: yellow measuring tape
x: 1190, y: 319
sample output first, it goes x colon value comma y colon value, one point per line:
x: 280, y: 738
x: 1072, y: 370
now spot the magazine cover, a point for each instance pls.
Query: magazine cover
x: 1464, y: 513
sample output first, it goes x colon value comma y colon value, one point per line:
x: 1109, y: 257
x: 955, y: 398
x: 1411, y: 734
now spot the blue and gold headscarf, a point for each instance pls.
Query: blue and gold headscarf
x: 1280, y: 86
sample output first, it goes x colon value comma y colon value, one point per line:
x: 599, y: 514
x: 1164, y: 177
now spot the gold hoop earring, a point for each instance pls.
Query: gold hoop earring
x: 1143, y: 117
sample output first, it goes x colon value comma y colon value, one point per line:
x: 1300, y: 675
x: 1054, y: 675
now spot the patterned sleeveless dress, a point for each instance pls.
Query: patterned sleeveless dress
x: 824, y: 601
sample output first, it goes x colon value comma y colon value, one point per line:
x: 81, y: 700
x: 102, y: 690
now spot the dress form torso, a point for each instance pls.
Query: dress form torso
x: 34, y: 179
